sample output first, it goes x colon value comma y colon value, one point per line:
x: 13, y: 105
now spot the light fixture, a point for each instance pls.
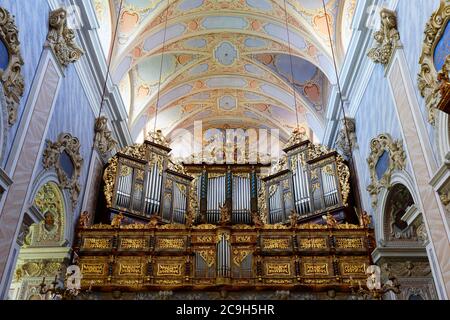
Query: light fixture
x: 374, y: 290
x: 70, y: 289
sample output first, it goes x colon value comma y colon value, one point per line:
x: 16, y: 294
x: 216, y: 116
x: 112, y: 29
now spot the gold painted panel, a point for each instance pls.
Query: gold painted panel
x: 313, y: 243
x: 133, y: 243
x: 130, y: 269
x: 93, y: 269
x: 169, y: 269
x: 349, y: 243
x: 97, y: 243
x: 170, y: 243
x: 283, y: 243
x: 353, y: 268
x: 316, y: 268
x: 279, y: 269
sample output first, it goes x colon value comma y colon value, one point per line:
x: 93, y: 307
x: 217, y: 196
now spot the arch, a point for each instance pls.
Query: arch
x: 401, y: 177
x: 442, y: 134
x: 50, y: 176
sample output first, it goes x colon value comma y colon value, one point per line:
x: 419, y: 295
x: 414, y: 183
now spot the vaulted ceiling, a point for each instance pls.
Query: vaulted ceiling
x: 225, y: 62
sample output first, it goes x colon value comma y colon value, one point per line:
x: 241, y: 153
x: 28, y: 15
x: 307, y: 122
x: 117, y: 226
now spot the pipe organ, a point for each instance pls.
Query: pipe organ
x: 216, y: 197
x: 241, y: 204
x: 310, y: 180
x: 203, y: 226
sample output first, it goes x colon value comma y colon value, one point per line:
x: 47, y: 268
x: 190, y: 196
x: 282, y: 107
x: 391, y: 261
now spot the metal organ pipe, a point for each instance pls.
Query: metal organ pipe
x: 241, y: 200
x: 215, y: 198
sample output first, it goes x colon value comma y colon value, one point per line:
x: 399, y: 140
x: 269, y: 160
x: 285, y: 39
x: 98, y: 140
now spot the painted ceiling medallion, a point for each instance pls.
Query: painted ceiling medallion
x: 226, y: 53
x: 227, y: 103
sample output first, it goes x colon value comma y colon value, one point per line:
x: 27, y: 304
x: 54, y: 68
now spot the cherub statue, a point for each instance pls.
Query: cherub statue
x: 154, y: 220
x: 330, y: 220
x: 225, y: 216
x: 117, y: 220
x: 257, y: 220
x: 158, y: 138
x: 294, y: 218
x: 190, y: 218
x: 83, y: 221
x: 365, y: 220
x: 298, y: 135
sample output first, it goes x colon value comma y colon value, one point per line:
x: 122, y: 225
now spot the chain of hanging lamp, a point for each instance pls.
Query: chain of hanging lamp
x: 291, y: 65
x: 107, y: 76
x: 295, y: 103
x: 161, y: 65
x: 341, y: 103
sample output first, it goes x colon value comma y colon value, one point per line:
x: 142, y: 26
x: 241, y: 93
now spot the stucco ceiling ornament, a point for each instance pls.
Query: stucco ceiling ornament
x: 55, y: 156
x: 396, y: 161
x: 387, y: 38
x: 62, y: 39
x: 427, y: 80
x: 11, y: 77
x: 103, y: 141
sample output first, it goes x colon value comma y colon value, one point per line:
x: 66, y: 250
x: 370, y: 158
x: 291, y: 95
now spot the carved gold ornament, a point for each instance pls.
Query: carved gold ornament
x: 343, y: 171
x: 50, y: 203
x: 387, y: 38
x: 397, y: 161
x: 11, y: 77
x: 208, y: 255
x: 138, y: 151
x: 69, y: 145
x: 240, y: 255
x: 103, y: 140
x: 297, y: 136
x: 61, y: 39
x: 428, y: 83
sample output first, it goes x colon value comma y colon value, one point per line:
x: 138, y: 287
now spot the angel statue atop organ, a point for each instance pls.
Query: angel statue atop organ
x: 158, y: 138
x: 117, y: 220
x: 330, y: 220
x: 256, y: 219
x: 294, y: 218
x: 365, y: 219
x: 298, y: 135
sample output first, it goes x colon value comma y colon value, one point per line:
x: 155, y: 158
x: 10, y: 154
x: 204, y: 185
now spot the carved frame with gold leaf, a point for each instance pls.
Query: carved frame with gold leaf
x: 11, y: 78
x: 397, y: 161
x: 427, y: 80
x: 51, y: 159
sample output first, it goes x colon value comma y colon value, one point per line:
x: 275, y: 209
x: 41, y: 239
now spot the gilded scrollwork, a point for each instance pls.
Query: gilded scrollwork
x: 50, y: 203
x: 298, y: 135
x: 387, y: 38
x: 70, y: 147
x: 397, y: 161
x: 61, y: 38
x: 428, y: 79
x: 11, y: 78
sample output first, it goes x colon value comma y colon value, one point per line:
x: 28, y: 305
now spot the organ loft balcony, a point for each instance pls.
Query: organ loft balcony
x: 163, y: 225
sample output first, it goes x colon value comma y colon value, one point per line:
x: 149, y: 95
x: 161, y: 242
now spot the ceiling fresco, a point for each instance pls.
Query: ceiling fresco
x: 224, y: 62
